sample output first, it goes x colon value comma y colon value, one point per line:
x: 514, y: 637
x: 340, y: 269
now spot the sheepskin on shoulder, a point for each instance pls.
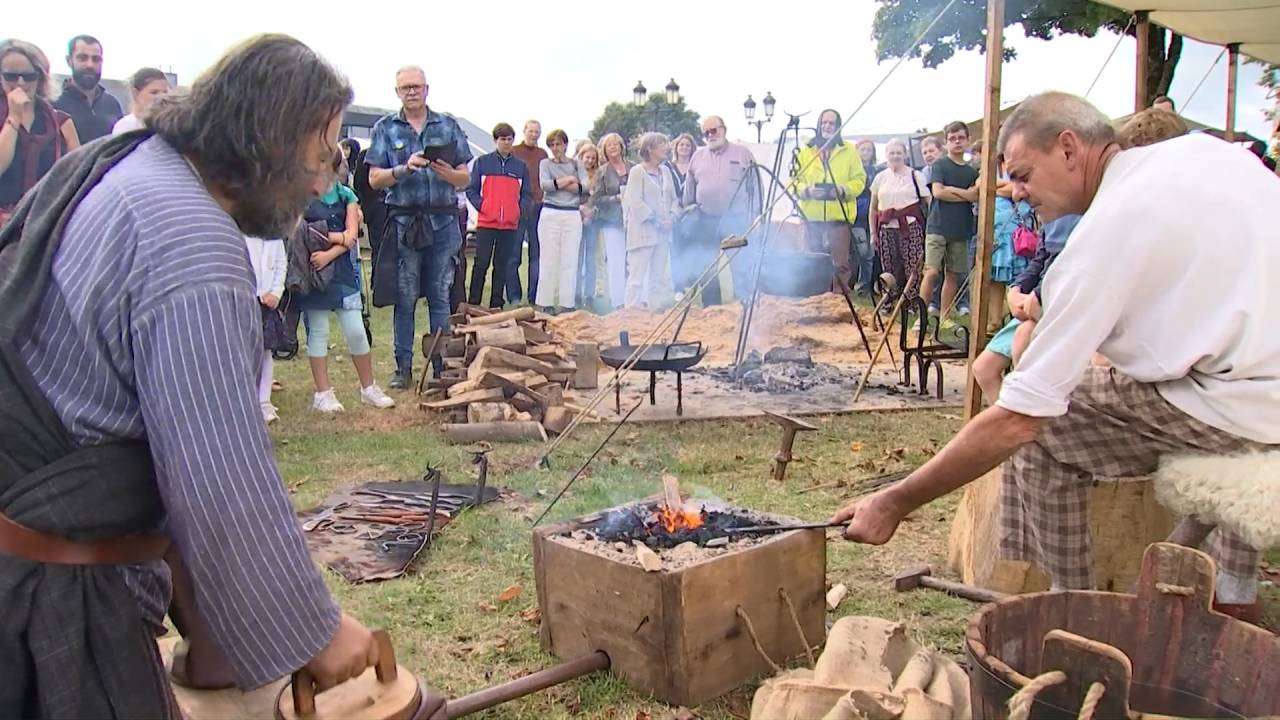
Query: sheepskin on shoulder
x: 1239, y: 492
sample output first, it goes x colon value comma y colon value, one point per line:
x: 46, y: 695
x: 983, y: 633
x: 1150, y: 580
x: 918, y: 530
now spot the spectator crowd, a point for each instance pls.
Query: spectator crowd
x: 606, y: 225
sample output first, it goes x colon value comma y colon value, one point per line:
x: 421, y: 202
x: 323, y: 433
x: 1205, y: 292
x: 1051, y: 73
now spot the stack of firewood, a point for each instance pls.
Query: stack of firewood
x: 505, y: 376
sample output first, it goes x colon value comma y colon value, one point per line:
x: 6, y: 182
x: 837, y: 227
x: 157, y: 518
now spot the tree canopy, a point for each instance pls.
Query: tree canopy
x: 964, y: 27
x: 631, y: 122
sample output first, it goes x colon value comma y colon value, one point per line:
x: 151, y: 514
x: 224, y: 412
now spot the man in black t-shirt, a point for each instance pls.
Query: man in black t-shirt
x: 951, y: 219
x: 90, y: 106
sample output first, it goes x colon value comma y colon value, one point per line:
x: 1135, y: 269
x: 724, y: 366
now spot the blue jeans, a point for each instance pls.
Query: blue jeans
x: 419, y: 273
x: 526, y: 232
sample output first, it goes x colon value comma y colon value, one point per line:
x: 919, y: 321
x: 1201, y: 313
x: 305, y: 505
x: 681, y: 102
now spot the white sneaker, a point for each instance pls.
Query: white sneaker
x: 374, y: 396
x: 269, y: 413
x: 327, y: 402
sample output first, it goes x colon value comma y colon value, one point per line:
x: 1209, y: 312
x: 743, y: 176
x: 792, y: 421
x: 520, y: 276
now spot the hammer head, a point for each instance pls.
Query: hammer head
x: 789, y: 422
x: 909, y: 579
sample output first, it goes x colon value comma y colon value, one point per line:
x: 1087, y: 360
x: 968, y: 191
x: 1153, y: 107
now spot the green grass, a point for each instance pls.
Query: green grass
x: 440, y: 613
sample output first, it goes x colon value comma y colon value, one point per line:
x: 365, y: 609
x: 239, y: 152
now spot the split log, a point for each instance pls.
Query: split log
x: 526, y: 406
x: 546, y: 353
x: 472, y: 311
x: 495, y: 432
x: 493, y: 357
x: 586, y: 377
x: 482, y: 395
x: 492, y: 379
x: 671, y: 492
x: 579, y: 410
x: 473, y: 329
x: 553, y: 392
x: 527, y: 378
x: 836, y: 595
x: 524, y: 313
x: 556, y: 419
x: 454, y: 364
x: 454, y: 347
x: 508, y: 337
x: 535, y: 334
x: 485, y: 412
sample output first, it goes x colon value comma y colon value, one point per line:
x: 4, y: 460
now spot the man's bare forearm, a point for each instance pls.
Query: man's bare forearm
x: 985, y: 442
x: 381, y: 178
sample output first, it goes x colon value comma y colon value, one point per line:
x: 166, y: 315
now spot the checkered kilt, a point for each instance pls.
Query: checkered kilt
x: 1116, y: 427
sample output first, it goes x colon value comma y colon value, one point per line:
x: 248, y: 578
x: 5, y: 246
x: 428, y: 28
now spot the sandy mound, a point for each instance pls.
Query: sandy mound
x: 821, y: 324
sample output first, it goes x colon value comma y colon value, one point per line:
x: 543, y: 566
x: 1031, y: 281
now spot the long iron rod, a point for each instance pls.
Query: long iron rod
x: 760, y: 529
x: 527, y: 685
x: 587, y: 464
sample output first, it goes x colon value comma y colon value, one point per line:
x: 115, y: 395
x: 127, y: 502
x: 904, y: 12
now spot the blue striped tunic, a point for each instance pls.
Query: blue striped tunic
x: 151, y: 329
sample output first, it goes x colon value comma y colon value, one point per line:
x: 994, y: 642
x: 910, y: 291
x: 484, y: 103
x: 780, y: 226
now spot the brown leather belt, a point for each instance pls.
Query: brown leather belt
x: 41, y: 547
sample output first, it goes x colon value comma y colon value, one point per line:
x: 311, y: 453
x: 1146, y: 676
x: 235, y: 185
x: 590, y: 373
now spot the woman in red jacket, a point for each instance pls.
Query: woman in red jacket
x: 499, y: 188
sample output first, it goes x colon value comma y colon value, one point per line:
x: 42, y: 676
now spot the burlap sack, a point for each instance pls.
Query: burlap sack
x: 869, y: 670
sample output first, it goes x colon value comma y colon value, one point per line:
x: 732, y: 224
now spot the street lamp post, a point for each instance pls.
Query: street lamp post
x: 671, y: 96
x: 749, y: 109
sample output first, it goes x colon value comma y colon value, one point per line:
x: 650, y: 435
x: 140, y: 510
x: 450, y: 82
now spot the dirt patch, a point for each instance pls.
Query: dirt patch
x: 403, y: 416
x: 821, y: 324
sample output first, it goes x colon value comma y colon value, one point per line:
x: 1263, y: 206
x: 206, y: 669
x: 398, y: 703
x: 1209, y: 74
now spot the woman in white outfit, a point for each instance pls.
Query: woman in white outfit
x: 269, y: 265
x: 564, y: 185
x: 606, y: 197
x: 650, y: 204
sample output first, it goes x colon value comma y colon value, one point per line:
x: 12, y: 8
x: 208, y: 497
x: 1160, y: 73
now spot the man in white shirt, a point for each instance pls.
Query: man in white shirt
x: 1183, y: 303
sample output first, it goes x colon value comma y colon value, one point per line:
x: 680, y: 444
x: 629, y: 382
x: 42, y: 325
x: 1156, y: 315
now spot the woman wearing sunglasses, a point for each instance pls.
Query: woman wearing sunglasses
x: 33, y: 134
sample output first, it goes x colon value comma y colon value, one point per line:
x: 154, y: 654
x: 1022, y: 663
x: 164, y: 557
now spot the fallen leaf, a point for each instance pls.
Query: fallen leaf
x: 532, y: 615
x: 502, y: 644
x: 683, y: 713
x: 487, y: 607
x: 510, y: 593
x: 856, y: 446
x: 642, y: 715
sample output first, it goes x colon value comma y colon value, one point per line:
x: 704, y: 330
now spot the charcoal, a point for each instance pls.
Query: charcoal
x: 636, y: 523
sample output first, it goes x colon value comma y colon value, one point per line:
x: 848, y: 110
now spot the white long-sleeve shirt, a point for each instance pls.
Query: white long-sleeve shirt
x: 269, y: 264
x: 1174, y: 275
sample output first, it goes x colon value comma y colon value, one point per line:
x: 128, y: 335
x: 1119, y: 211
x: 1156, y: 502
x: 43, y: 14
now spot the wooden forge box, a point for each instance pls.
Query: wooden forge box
x: 677, y: 632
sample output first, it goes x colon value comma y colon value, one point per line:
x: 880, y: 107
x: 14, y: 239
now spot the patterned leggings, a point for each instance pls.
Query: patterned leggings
x: 902, y: 255
x: 1116, y: 427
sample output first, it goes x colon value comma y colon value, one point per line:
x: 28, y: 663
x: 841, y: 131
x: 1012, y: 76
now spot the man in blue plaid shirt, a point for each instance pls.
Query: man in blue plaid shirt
x: 421, y: 237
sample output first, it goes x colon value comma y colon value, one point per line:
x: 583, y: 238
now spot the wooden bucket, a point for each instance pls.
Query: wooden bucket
x: 1162, y: 652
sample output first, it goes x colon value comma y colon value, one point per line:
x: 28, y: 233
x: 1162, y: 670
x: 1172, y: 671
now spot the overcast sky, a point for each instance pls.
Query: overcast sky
x: 578, y: 55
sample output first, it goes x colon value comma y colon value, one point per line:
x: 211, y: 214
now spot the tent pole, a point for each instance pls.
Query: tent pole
x: 1233, y: 67
x: 980, y: 297
x: 1143, y: 31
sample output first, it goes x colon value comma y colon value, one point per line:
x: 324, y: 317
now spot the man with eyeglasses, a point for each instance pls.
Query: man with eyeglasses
x: 421, y: 238
x: 722, y: 190
x: 93, y: 109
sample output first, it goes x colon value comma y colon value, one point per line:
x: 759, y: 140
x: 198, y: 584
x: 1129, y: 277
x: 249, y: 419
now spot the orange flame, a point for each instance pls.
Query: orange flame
x: 679, y: 518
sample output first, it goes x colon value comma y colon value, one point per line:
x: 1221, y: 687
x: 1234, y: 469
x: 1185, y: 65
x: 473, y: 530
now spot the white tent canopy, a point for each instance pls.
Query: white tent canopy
x: 1253, y: 24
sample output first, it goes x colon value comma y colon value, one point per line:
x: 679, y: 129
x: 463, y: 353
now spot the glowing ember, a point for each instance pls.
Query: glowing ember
x: 674, y: 514
x: 678, y: 519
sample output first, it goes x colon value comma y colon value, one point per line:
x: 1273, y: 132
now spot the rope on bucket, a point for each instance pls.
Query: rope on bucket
x: 1021, y: 702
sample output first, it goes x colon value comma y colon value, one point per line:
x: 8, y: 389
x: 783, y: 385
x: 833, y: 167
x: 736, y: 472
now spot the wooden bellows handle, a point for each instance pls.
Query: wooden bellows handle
x: 304, y: 686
